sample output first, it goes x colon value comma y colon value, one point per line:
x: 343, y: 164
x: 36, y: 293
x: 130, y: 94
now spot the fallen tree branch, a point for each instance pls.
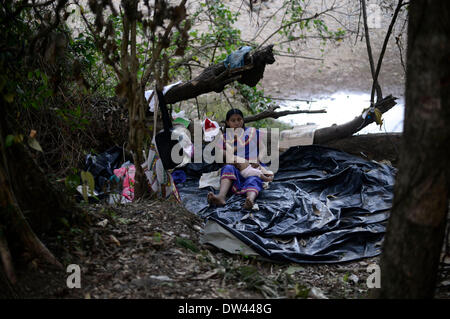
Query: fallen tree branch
x: 335, y: 132
x: 216, y: 77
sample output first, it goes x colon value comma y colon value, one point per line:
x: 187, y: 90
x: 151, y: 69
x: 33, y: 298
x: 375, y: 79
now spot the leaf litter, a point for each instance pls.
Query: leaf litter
x: 151, y: 249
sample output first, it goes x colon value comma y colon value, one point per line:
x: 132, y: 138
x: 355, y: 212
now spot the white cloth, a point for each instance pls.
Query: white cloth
x: 182, y: 134
x: 251, y: 171
x: 211, y: 132
x: 148, y: 93
x: 210, y: 179
x: 160, y: 181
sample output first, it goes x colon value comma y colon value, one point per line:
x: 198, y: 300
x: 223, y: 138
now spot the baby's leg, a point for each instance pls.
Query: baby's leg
x: 250, y: 200
x: 266, y: 178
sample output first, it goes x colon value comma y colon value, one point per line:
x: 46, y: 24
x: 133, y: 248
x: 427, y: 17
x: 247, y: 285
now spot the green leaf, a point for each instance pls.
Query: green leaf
x: 84, y: 186
x: 65, y: 222
x: 18, y: 138
x: 88, y: 180
x: 186, y: 243
x: 72, y: 181
x: 2, y: 82
x: 345, y: 278
x: 378, y: 116
x: 33, y: 143
x: 9, y: 140
x: 9, y: 97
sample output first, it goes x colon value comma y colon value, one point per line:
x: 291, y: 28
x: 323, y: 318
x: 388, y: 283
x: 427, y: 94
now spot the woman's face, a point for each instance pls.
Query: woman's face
x: 235, y: 121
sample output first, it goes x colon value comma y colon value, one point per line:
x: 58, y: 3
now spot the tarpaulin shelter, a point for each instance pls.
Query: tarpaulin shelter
x: 324, y: 206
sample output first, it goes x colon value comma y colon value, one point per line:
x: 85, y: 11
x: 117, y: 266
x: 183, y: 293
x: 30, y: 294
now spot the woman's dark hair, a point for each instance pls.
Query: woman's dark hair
x: 232, y: 112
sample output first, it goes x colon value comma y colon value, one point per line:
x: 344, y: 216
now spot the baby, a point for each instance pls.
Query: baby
x: 254, y: 169
x: 249, y: 169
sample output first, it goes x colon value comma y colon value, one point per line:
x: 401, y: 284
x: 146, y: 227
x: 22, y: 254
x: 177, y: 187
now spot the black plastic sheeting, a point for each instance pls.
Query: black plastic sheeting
x: 102, y: 166
x: 324, y: 206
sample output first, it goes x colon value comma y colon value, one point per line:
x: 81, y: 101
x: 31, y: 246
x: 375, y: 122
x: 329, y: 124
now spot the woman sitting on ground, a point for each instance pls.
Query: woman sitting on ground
x: 230, y: 174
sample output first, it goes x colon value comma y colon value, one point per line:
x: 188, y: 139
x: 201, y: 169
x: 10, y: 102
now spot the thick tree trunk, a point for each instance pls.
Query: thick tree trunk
x: 415, y: 231
x: 136, y: 138
x: 216, y: 77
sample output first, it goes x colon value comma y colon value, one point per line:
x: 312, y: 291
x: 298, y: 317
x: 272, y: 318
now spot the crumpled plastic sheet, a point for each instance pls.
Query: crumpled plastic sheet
x: 102, y: 166
x: 324, y: 206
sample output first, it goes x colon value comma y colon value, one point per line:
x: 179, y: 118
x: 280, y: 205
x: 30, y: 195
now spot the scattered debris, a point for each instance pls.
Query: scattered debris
x: 103, y: 223
x: 161, y: 278
x: 316, y: 293
x: 157, y: 254
x: 114, y: 240
x: 353, y: 278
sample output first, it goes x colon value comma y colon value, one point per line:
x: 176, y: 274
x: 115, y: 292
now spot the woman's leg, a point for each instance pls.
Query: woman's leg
x: 220, y: 198
x: 227, y: 177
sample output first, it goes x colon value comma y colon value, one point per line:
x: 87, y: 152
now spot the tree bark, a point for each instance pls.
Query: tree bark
x: 6, y: 258
x: 217, y: 76
x: 336, y: 132
x: 378, y: 147
x: 415, y: 231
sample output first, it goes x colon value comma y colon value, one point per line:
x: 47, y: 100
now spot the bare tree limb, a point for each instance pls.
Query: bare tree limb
x: 298, y: 56
x: 287, y: 25
x: 327, y: 134
x: 369, y: 52
x: 383, y: 50
x: 273, y: 114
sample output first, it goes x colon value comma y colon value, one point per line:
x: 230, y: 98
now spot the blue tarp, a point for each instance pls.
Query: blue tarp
x: 236, y: 59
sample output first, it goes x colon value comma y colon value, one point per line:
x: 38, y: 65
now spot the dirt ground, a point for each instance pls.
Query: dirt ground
x: 150, y: 249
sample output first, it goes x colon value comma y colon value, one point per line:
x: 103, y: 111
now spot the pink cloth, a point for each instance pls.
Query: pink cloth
x: 128, y: 182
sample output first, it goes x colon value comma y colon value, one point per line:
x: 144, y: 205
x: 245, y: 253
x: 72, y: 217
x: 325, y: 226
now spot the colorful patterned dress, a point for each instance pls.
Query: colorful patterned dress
x: 246, y: 145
